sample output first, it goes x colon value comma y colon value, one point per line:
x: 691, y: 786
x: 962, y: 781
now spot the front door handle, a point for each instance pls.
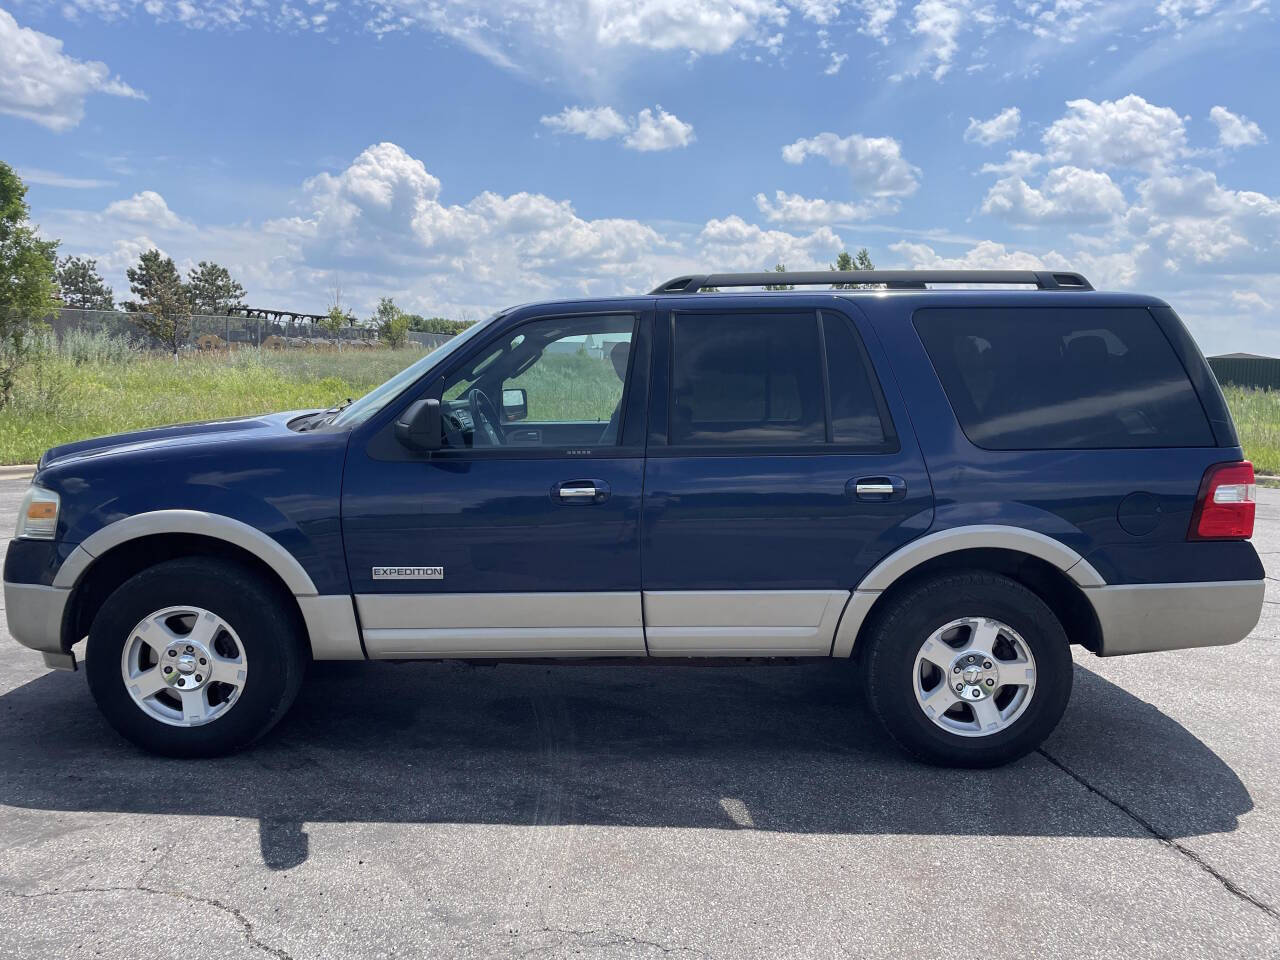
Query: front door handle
x: 876, y: 488
x: 580, y: 491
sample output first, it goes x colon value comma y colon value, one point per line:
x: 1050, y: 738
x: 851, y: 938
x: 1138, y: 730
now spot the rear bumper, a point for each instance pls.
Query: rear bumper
x: 1146, y: 617
x: 34, y: 612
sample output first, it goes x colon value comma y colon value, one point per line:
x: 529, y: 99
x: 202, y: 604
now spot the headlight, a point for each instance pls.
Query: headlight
x: 38, y: 515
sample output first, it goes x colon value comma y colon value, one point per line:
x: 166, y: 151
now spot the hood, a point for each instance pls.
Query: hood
x: 184, y: 434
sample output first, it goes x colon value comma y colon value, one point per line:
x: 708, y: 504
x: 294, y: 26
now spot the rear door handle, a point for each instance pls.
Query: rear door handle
x: 876, y: 488
x: 580, y: 491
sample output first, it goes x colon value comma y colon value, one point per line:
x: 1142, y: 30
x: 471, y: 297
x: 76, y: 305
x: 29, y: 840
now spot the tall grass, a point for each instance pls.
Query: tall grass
x: 80, y: 389
x: 570, y: 386
x: 1257, y: 417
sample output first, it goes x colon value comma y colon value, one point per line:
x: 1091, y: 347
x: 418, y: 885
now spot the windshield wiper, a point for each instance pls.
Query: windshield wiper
x: 326, y: 416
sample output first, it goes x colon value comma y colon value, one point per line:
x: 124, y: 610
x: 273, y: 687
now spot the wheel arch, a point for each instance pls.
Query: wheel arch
x: 190, y: 523
x: 1049, y: 568
x: 109, y: 557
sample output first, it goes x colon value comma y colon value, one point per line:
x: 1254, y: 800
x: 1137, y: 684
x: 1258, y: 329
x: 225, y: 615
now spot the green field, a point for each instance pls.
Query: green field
x: 93, y: 386
x: 1257, y: 417
x: 63, y: 400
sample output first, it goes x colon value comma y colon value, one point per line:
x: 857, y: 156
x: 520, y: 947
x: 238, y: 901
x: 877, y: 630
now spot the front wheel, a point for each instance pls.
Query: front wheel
x: 968, y: 669
x: 194, y: 657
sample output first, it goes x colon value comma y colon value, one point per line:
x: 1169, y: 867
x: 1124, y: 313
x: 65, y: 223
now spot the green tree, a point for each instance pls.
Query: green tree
x: 155, y: 273
x: 333, y: 321
x: 391, y: 323
x: 779, y: 268
x: 81, y: 286
x: 27, y: 266
x: 213, y: 291
x: 420, y: 324
x: 166, y: 311
x: 336, y: 318
x: 859, y: 261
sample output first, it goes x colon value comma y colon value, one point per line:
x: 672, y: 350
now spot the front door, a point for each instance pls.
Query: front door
x: 519, y: 538
x: 780, y: 469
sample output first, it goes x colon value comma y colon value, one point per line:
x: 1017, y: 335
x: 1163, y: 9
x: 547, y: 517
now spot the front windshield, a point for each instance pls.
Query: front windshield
x: 377, y: 398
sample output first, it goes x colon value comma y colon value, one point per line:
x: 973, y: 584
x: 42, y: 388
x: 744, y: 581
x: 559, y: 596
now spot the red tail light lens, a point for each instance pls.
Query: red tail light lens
x: 1226, y: 504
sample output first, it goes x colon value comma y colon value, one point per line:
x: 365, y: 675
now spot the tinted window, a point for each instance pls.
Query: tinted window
x: 747, y: 380
x: 1046, y: 378
x: 856, y: 410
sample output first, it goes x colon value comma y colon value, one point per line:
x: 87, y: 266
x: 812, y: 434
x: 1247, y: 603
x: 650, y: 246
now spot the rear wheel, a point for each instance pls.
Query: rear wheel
x: 194, y: 657
x: 968, y: 669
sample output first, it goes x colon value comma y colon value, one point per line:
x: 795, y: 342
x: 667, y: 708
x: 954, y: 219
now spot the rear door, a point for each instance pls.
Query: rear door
x: 780, y: 468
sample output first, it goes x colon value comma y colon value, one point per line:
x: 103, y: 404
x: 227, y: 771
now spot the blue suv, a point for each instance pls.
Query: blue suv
x: 951, y: 487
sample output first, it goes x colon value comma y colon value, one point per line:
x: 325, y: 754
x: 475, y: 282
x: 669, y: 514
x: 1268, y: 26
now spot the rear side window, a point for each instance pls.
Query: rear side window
x: 747, y: 380
x: 858, y: 414
x: 1062, y: 378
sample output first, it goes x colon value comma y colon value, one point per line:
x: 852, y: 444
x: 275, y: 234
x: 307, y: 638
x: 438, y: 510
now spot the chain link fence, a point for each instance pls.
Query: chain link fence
x: 220, y: 332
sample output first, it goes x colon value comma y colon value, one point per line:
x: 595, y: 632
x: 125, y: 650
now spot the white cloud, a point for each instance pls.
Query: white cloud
x: 819, y: 11
x: 589, y: 44
x: 51, y: 178
x: 1235, y: 131
x: 836, y: 62
x: 41, y: 83
x: 1251, y: 300
x: 585, y: 39
x: 987, y: 255
x: 876, y: 164
x: 147, y: 208
x: 1018, y: 163
x: 382, y: 225
x: 594, y: 123
x: 1058, y: 20
x: 1178, y: 13
x: 1188, y: 220
x: 1003, y: 126
x: 1068, y: 194
x: 658, y: 130
x: 1129, y: 132
x: 877, y: 16
x: 938, y: 24
x: 732, y: 243
x: 793, y: 208
x: 649, y: 130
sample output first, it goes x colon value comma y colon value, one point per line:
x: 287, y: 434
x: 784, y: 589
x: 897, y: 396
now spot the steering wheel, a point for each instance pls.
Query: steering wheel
x: 485, y: 417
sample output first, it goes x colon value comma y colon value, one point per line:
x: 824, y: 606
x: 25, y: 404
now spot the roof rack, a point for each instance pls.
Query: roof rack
x: 892, y: 279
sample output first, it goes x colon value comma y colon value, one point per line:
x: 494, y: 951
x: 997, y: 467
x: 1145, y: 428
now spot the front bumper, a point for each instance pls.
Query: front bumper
x: 34, y: 612
x: 1147, y: 617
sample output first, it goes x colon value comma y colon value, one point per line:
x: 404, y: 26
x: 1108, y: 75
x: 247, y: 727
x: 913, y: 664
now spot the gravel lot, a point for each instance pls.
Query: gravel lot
x: 443, y: 810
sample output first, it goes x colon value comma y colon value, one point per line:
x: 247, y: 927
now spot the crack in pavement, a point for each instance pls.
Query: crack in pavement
x: 246, y: 924
x: 1227, y: 883
x: 609, y: 938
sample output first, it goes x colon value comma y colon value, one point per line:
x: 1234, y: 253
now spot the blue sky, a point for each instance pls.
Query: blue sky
x: 462, y: 156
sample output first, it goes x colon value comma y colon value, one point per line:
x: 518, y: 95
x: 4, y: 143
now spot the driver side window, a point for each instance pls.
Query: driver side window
x: 550, y: 383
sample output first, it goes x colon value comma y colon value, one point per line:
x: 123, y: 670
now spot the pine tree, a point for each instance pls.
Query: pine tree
x: 81, y: 286
x: 213, y: 291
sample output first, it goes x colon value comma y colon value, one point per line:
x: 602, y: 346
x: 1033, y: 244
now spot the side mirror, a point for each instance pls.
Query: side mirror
x: 418, y: 428
x: 515, y: 404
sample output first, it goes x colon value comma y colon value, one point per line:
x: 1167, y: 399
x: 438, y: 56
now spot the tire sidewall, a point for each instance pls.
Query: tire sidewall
x: 891, y: 667
x: 267, y: 637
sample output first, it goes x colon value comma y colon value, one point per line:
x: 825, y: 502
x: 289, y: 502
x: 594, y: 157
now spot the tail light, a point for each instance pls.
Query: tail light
x: 1226, y: 503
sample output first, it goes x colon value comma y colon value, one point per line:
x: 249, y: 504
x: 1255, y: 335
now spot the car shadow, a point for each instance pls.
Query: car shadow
x: 790, y: 748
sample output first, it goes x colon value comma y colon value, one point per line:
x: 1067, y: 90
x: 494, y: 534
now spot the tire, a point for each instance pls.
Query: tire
x: 240, y: 628
x: 1030, y: 674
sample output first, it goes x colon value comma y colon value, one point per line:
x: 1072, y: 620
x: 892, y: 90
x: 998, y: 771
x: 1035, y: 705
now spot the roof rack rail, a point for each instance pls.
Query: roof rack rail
x: 892, y: 279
